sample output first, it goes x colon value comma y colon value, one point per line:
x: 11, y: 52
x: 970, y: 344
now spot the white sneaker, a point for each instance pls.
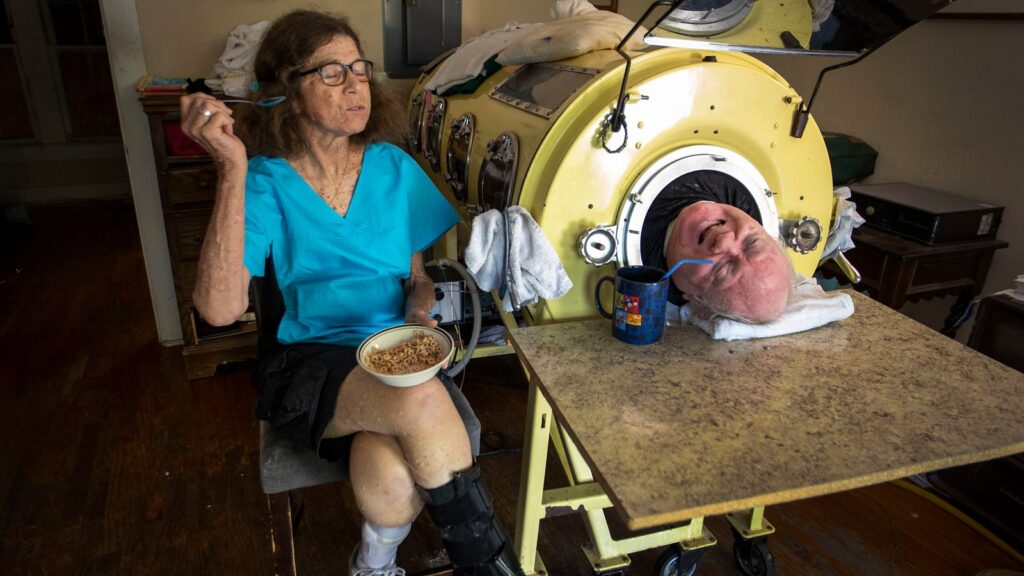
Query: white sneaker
x: 355, y: 570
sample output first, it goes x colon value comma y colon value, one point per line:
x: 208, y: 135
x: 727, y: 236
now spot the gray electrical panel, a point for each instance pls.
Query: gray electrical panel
x: 417, y: 31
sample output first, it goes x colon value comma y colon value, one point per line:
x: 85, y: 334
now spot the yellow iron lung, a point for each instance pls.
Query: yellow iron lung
x: 680, y: 101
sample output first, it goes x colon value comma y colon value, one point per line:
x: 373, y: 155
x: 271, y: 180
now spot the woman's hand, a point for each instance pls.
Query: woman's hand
x: 419, y: 294
x: 208, y: 121
x: 421, y: 317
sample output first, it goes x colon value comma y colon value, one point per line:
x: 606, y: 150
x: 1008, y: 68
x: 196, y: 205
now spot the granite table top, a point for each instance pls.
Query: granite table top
x: 691, y: 426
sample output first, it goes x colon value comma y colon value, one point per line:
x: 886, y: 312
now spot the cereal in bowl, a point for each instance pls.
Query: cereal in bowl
x: 418, y: 353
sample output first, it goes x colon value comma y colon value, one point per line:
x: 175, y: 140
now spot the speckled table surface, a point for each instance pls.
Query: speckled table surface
x: 692, y: 427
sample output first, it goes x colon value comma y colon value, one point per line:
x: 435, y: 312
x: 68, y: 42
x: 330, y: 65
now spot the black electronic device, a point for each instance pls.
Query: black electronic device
x: 452, y: 302
x: 926, y: 215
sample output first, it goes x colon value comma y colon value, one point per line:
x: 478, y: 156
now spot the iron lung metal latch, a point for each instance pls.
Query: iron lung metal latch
x: 802, y: 235
x: 598, y: 245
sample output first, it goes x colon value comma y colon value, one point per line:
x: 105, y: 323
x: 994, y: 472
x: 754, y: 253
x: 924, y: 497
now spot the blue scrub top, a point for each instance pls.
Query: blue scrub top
x: 340, y: 277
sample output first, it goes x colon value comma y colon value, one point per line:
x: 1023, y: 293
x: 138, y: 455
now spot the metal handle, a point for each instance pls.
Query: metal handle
x: 848, y: 270
x: 597, y: 296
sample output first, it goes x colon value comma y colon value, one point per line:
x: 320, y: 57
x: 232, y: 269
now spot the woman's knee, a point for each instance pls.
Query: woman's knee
x: 427, y: 406
x: 377, y: 461
x: 382, y: 481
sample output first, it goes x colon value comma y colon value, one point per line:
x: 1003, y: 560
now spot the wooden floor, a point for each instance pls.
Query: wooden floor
x: 112, y: 462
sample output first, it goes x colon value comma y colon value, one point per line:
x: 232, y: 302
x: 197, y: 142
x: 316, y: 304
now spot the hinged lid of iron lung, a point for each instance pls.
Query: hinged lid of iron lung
x: 810, y: 27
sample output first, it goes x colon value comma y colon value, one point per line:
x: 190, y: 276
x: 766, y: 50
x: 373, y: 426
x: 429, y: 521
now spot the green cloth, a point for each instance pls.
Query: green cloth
x: 851, y: 158
x: 469, y: 86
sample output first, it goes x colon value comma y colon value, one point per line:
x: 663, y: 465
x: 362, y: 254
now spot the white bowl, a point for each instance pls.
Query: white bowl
x: 390, y: 337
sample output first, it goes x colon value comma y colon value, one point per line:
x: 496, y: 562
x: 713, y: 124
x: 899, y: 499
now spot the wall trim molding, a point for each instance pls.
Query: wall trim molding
x: 127, y: 64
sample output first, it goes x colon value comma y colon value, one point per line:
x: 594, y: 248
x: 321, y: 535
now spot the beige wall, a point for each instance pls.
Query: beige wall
x: 186, y: 37
x: 941, y: 104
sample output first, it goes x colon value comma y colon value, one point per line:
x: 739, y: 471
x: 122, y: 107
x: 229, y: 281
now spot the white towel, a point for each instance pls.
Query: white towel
x: 580, y: 29
x: 535, y: 270
x: 234, y: 67
x: 809, y: 307
x: 840, y: 237
x: 468, y: 61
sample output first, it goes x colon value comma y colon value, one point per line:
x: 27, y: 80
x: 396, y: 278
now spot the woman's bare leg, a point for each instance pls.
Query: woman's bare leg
x: 421, y: 428
x: 386, y: 495
x: 422, y: 418
x: 383, y: 484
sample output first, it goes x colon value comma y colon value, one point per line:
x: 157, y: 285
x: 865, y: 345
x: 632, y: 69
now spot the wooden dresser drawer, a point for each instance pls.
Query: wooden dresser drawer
x: 187, y: 230
x: 186, y: 185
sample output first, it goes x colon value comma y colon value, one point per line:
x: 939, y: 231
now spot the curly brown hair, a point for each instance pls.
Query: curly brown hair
x: 286, y: 47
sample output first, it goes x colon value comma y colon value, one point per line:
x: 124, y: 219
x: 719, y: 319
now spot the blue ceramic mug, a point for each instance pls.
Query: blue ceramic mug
x: 638, y: 316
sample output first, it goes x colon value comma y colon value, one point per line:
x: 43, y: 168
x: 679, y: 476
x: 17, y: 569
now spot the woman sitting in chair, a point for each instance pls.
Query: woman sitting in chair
x: 344, y: 216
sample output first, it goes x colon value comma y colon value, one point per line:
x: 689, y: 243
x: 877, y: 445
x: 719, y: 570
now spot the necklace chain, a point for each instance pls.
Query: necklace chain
x: 339, y: 181
x: 340, y: 172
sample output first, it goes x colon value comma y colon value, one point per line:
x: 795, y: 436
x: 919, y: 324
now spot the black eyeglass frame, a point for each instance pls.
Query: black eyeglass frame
x: 347, y: 70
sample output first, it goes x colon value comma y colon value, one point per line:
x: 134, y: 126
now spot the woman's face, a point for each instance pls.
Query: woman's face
x: 341, y: 110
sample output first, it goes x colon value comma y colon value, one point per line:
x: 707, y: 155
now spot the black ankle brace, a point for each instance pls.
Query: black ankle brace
x: 472, y: 533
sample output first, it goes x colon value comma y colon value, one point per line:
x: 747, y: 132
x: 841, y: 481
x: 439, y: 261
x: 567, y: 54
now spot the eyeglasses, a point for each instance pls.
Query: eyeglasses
x: 335, y: 73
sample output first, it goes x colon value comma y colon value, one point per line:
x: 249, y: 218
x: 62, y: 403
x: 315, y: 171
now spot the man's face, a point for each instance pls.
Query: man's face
x: 751, y: 274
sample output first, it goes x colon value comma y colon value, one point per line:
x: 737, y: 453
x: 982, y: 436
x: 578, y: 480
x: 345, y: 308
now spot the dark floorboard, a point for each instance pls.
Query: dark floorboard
x: 112, y: 462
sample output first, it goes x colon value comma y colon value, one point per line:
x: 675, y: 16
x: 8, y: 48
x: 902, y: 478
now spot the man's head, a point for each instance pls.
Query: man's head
x: 751, y: 276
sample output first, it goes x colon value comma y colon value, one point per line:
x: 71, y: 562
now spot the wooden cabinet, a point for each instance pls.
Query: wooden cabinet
x: 896, y: 270
x: 999, y: 334
x: 187, y: 187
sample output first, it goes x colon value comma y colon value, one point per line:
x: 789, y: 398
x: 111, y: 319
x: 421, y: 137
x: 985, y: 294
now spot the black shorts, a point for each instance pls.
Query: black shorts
x: 298, y: 386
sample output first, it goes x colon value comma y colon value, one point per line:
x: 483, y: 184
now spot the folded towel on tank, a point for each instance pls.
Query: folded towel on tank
x: 579, y: 29
x: 470, y: 59
x: 534, y: 270
x: 809, y: 307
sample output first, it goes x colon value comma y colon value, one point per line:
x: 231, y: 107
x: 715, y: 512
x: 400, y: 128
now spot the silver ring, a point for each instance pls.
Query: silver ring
x: 205, y: 112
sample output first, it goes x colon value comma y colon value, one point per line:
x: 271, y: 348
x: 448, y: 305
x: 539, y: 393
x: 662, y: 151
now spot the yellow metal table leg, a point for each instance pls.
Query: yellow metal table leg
x: 604, y: 552
x: 750, y: 533
x: 750, y: 523
x: 531, y: 482
x: 582, y: 495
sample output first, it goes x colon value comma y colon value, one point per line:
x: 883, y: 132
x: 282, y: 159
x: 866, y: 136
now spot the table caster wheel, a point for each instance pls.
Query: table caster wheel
x: 674, y: 561
x: 753, y: 556
x: 615, y: 572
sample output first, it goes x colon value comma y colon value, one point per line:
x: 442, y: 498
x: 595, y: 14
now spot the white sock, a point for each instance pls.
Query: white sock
x: 379, y: 547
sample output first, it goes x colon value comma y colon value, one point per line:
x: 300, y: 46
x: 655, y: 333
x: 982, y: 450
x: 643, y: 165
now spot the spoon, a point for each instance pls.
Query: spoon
x: 263, y: 103
x: 684, y: 261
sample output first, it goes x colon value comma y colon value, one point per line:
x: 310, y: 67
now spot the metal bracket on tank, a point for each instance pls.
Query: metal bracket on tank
x: 803, y: 113
x: 498, y: 172
x: 415, y: 121
x: 617, y: 117
x: 460, y: 143
x: 435, y: 127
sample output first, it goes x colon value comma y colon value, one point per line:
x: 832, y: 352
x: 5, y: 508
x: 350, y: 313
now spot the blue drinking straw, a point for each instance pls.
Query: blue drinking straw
x: 685, y: 261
